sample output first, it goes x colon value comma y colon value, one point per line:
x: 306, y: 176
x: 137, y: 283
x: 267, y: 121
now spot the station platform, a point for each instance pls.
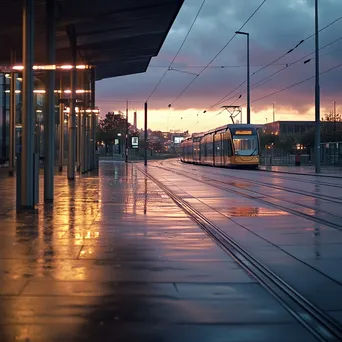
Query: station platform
x: 117, y: 258
x: 326, y: 171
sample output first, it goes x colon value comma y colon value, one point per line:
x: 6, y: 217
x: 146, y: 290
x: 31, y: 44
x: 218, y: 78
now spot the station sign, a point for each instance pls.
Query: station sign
x: 135, y: 142
x: 243, y: 132
x: 178, y: 140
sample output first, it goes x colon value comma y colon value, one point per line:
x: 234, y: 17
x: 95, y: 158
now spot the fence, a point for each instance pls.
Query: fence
x: 331, y: 155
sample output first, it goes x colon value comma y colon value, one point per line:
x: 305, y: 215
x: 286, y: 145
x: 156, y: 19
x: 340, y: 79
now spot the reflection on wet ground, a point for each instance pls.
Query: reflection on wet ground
x: 302, y: 243
x: 114, y: 259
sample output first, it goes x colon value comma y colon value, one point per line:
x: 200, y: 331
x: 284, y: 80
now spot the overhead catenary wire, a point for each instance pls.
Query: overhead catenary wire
x: 222, y: 49
x: 297, y: 83
x: 268, y: 78
x: 274, y: 61
x: 177, y: 53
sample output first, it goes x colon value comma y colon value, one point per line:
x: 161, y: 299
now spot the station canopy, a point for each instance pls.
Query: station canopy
x: 119, y: 37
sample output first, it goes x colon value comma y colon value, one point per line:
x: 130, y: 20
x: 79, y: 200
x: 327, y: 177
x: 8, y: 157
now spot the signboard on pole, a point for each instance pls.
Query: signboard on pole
x: 135, y: 142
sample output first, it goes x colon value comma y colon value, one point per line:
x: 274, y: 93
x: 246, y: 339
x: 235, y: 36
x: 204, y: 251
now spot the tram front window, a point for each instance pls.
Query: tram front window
x: 246, y: 145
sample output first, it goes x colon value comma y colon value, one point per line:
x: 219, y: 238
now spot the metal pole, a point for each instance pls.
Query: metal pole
x: 93, y: 127
x: 72, y: 117
x: 273, y: 113
x: 49, y: 113
x: 27, y: 161
x: 12, y: 118
x: 83, y: 120
x: 79, y: 130
x: 78, y: 139
x: 87, y: 146
x: 88, y: 118
x: 126, y: 138
x: 317, y: 98
x: 145, y: 134
x: 334, y: 120
x: 61, y: 128
x: 248, y: 85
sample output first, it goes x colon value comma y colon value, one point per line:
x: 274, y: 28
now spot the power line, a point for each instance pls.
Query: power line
x: 268, y: 78
x: 298, y: 83
x: 213, y: 59
x: 276, y: 60
x: 180, y: 48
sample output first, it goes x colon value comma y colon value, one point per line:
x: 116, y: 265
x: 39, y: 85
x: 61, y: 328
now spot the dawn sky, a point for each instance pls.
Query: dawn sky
x: 276, y: 28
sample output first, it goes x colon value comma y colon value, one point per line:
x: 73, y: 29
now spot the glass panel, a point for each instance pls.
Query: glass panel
x: 246, y: 145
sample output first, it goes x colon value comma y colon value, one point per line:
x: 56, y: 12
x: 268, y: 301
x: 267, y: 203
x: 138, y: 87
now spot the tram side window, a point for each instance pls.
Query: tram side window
x: 230, y: 148
x: 217, y: 148
x: 225, y: 146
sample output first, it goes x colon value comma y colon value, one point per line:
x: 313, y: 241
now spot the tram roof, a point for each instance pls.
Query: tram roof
x: 223, y: 128
x: 119, y: 37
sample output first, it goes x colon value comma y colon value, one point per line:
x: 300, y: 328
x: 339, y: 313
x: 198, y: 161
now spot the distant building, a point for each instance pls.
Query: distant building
x: 288, y: 127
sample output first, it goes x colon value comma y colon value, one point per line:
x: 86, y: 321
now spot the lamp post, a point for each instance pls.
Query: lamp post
x: 273, y: 104
x: 248, y: 77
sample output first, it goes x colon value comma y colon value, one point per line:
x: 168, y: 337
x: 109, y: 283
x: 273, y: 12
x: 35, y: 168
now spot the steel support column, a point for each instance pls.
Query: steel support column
x: 94, y: 117
x: 145, y: 134
x: 79, y: 130
x: 87, y: 131
x: 49, y: 112
x: 72, y: 115
x: 61, y: 128
x: 126, y: 134
x: 12, y: 119
x: 28, y: 183
x: 317, y: 96
x: 83, y: 140
x: 87, y: 142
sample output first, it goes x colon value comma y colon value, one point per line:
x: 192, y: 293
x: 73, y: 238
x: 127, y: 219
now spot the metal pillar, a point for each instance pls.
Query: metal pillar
x: 248, y: 85
x: 83, y: 140
x: 78, y: 138
x: 88, y: 117
x: 49, y: 112
x: 317, y: 98
x: 27, y: 182
x: 12, y: 119
x: 145, y: 134
x: 94, y: 117
x: 273, y: 113
x: 72, y: 116
x: 126, y: 134
x: 91, y: 140
x: 87, y: 142
x: 61, y: 128
x: 79, y: 131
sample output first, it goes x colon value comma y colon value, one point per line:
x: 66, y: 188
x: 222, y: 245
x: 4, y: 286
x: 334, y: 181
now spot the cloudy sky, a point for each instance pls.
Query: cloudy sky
x: 276, y: 28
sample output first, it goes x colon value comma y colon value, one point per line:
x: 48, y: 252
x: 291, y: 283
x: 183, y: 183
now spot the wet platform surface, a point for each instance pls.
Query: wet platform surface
x: 114, y: 259
x: 327, y: 171
x: 293, y: 224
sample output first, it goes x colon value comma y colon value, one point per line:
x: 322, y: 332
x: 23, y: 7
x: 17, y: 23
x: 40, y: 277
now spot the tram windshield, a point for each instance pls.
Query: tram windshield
x: 246, y: 145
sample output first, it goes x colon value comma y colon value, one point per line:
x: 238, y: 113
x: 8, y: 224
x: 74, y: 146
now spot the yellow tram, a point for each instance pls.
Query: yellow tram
x: 229, y: 145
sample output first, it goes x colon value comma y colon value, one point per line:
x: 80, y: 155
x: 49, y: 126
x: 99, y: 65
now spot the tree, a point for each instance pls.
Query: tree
x: 110, y: 126
x: 267, y: 139
x: 288, y: 143
x: 330, y: 117
x: 308, y: 138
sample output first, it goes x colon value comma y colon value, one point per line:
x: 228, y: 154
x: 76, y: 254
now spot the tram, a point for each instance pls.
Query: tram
x: 235, y: 145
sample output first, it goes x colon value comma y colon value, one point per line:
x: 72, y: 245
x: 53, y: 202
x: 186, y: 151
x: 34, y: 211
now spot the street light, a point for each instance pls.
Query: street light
x: 248, y: 85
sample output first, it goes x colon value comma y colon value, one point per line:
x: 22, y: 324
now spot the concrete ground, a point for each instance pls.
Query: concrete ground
x: 115, y: 259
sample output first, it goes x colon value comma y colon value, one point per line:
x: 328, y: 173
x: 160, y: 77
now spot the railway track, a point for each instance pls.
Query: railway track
x: 292, y: 190
x: 228, y: 187
x: 321, y: 325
